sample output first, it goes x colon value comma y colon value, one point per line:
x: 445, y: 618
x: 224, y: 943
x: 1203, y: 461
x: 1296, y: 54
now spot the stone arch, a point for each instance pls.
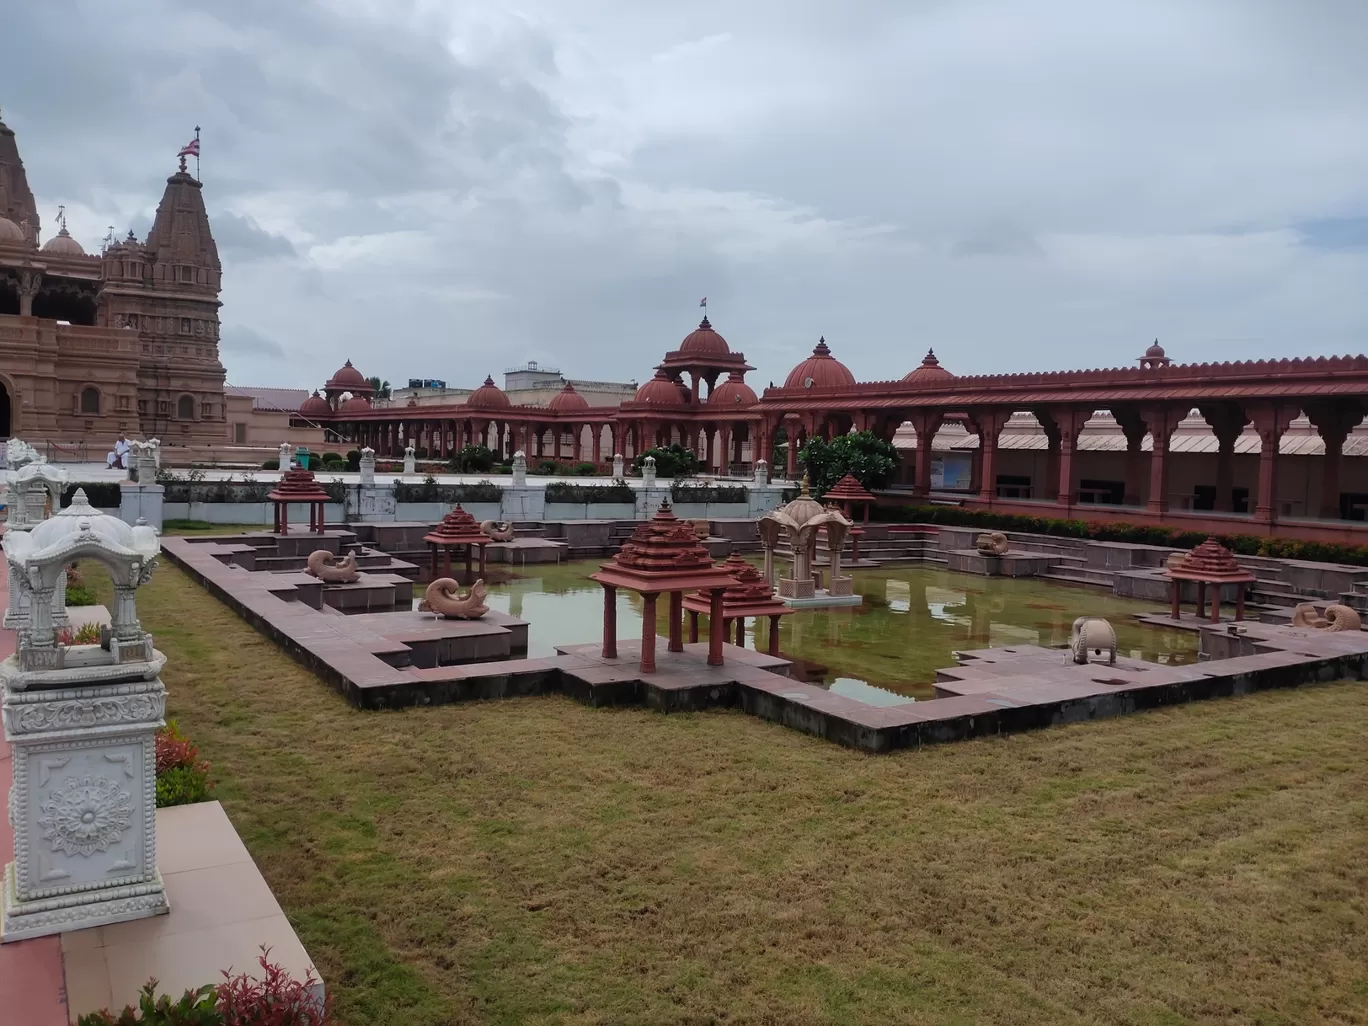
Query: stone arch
x: 88, y: 401
x: 185, y: 407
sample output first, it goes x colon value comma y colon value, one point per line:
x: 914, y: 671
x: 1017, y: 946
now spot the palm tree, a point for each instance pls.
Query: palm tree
x: 381, y: 388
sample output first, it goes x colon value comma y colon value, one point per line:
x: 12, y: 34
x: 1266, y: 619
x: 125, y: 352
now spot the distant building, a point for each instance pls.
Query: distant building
x: 529, y: 385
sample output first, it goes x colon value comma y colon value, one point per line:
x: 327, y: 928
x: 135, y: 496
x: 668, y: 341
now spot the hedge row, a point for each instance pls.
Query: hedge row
x: 590, y: 494
x: 431, y: 491
x: 683, y: 492
x: 1135, y: 534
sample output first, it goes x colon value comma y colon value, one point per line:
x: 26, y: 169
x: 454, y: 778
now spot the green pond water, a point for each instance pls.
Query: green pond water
x: 912, y: 621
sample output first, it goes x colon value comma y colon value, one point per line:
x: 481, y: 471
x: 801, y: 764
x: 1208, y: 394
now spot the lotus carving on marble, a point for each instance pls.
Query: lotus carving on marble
x: 86, y: 815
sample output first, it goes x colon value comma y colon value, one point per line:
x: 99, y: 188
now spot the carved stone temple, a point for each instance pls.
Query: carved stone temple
x: 81, y: 721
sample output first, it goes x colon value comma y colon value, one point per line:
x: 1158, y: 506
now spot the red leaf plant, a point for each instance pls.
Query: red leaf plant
x: 274, y: 1000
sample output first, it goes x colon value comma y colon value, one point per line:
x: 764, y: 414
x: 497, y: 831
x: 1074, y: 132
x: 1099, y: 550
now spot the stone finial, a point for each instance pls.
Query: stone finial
x: 367, y: 466
x: 286, y: 456
x: 648, y: 471
x: 619, y: 467
x: 519, y: 469
x: 761, y: 472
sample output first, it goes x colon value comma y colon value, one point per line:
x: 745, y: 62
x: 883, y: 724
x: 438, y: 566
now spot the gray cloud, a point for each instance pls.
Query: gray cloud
x: 1021, y: 186
x: 237, y: 338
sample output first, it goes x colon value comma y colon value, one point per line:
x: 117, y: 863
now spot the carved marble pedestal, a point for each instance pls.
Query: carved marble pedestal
x: 84, y: 800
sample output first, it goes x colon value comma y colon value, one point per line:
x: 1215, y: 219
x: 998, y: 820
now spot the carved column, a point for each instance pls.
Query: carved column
x: 791, y: 434
x: 926, y: 423
x: 30, y: 281
x: 609, y: 622
x: 1068, y: 424
x: 1334, y: 421
x: 1271, y: 420
x: 648, y: 632
x: 988, y: 425
x: 1162, y: 422
x: 1050, y: 486
x: 1133, y: 427
x: 1227, y: 421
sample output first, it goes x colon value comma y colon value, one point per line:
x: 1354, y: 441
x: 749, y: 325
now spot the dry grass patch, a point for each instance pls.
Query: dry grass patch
x: 536, y: 861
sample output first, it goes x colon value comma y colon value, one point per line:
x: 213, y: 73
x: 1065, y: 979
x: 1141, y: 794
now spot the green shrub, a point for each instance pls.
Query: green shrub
x: 683, y: 491
x: 353, y: 459
x: 431, y: 491
x: 331, y: 457
x: 862, y: 454
x: 586, y: 469
x: 182, y: 776
x: 270, y: 464
x: 591, y: 494
x: 194, y: 1008
x: 335, y: 464
x: 79, y: 595
x: 478, y: 459
x: 547, y: 467
x: 670, y: 461
x: 102, y: 494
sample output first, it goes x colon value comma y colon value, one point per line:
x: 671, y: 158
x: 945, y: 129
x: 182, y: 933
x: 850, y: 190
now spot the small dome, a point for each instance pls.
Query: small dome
x: 733, y: 392
x: 349, y: 379
x: 356, y: 404
x: 929, y: 371
x: 803, y: 508
x: 703, y: 341
x: 1155, y: 352
x: 57, y: 533
x: 489, y: 396
x: 662, y: 391
x: 315, y: 406
x: 62, y: 243
x: 11, y: 232
x: 568, y: 399
x: 820, y: 370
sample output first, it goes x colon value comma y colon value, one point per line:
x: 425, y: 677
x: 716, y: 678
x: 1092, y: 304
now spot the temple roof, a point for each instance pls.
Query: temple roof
x: 848, y: 489
x: 180, y: 232
x: 457, y: 528
x: 1211, y: 561
x: 751, y: 595
x: 16, y: 199
x: 299, y: 486
x: 663, y: 554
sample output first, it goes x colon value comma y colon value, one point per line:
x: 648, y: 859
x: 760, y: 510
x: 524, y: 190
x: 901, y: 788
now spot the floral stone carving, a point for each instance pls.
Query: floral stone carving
x: 86, y: 815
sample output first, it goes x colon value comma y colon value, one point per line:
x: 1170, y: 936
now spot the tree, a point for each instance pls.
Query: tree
x: 472, y: 458
x: 381, y: 388
x: 863, y: 454
x: 671, y: 461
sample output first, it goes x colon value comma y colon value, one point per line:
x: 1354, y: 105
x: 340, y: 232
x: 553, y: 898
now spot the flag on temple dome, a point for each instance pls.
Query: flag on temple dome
x: 703, y: 301
x: 190, y: 149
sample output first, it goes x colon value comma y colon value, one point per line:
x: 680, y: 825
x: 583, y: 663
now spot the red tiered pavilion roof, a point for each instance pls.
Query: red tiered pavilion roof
x: 663, y: 555
x: 1211, y: 562
x: 457, y: 528
x: 847, y: 489
x: 750, y: 595
x: 298, y: 486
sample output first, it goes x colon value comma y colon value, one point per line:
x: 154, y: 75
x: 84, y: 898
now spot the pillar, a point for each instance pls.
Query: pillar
x: 1334, y: 421
x: 724, y: 451
x: 774, y: 635
x: 1069, y: 422
x: 648, y: 632
x: 609, y: 622
x: 791, y: 445
x: 926, y: 423
x: 598, y: 443
x: 676, y: 618
x: 716, y: 632
x: 693, y: 627
x: 740, y: 632
x: 1271, y: 421
x: 988, y: 424
x: 1162, y: 422
x: 30, y: 280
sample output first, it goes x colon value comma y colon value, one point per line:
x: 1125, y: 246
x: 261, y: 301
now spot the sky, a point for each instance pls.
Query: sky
x: 447, y: 190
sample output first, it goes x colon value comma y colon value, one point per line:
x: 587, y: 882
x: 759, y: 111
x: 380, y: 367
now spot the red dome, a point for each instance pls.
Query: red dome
x: 356, y: 404
x: 349, y: 379
x: 488, y: 396
x: 660, y: 389
x: 820, y: 370
x: 315, y: 406
x: 930, y: 371
x: 568, y: 399
x: 1155, y: 352
x: 732, y: 392
x: 704, y: 341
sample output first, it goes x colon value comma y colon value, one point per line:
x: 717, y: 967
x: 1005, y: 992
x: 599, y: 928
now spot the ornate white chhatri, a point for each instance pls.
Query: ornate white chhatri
x: 81, y: 721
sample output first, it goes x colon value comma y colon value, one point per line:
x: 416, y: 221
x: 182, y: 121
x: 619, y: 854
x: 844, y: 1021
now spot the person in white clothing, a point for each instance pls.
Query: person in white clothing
x: 119, y: 457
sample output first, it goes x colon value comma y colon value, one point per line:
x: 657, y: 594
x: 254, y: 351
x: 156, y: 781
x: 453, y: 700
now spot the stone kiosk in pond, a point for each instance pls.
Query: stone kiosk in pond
x: 81, y: 721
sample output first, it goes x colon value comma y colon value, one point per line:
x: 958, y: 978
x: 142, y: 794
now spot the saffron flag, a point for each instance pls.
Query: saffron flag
x: 703, y: 301
x: 190, y: 149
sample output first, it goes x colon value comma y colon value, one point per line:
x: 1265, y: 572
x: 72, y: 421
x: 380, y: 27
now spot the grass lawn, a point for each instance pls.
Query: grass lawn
x: 536, y: 861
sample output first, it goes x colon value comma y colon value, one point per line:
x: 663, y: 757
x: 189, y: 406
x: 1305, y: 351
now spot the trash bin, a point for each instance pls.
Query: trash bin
x: 302, y: 457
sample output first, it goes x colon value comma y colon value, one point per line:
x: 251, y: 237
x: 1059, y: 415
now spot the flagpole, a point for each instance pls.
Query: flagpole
x: 197, y: 155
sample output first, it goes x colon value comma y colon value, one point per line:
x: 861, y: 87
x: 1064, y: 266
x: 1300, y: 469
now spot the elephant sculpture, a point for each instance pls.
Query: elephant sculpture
x: 499, y: 530
x: 330, y: 570
x: 1335, y: 618
x: 1092, y: 634
x: 992, y: 543
x: 442, y: 597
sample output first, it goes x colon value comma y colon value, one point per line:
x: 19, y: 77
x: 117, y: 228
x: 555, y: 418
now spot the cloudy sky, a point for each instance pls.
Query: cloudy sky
x: 446, y: 189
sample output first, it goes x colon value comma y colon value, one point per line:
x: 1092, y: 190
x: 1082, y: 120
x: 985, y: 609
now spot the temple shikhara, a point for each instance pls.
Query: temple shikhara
x: 122, y: 339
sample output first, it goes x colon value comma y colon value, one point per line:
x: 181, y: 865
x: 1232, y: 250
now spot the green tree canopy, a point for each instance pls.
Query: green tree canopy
x: 862, y: 454
x: 671, y: 461
x: 382, y: 388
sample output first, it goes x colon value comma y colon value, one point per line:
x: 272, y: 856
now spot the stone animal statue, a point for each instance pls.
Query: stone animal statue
x: 329, y: 569
x: 1336, y: 618
x: 443, y: 599
x: 499, y: 530
x: 992, y: 543
x: 702, y: 528
x: 1174, y: 559
x: 1091, y: 634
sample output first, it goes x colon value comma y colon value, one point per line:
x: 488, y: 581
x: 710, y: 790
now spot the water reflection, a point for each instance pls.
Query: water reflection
x: 912, y: 621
